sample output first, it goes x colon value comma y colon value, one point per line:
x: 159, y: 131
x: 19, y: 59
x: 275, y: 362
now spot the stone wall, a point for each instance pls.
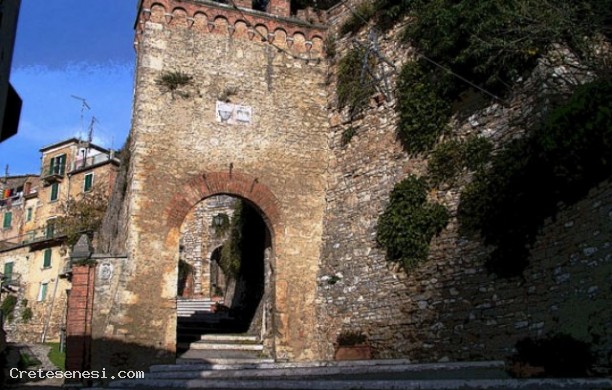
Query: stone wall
x: 448, y: 308
x: 199, y: 239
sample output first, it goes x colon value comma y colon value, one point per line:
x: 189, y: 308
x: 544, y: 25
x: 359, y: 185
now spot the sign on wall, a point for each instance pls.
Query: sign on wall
x: 233, y: 113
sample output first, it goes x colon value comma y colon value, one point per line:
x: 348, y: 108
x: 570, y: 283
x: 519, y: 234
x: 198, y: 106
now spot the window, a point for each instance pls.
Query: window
x: 8, y: 273
x: 29, y: 214
x: 88, y: 182
x: 47, y: 258
x: 57, y: 165
x: 8, y: 218
x: 50, y: 229
x: 54, y: 191
x: 42, y: 292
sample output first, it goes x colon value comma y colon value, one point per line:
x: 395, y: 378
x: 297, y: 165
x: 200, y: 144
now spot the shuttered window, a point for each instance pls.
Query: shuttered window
x: 47, y: 258
x: 88, y: 182
x: 42, y: 293
x: 54, y: 191
x: 8, y: 273
x: 8, y: 218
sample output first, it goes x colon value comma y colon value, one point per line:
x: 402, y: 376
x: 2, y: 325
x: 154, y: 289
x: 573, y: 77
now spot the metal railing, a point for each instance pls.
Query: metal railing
x: 53, y: 170
x: 49, y: 232
x: 89, y: 161
x: 12, y: 280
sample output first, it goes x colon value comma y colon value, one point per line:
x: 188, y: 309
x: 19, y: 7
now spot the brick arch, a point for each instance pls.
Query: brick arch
x: 219, y: 183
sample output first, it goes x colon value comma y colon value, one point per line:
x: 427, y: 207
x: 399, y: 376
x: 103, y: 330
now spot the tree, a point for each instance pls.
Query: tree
x: 82, y: 215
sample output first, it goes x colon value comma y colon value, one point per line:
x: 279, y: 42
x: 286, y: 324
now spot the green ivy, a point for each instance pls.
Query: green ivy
x: 449, y: 158
x: 354, y: 87
x: 347, y: 135
x: 8, y: 306
x: 363, y: 13
x: 409, y: 222
x: 559, y: 161
x: 231, y: 252
x: 423, y: 113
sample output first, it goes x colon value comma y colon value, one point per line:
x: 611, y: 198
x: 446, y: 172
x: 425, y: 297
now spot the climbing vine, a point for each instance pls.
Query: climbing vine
x: 423, y: 113
x: 231, y: 252
x: 409, y: 222
x: 558, y: 161
x: 451, y: 157
x: 354, y: 86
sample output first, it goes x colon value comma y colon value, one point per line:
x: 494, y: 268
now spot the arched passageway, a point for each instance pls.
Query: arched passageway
x: 226, y: 245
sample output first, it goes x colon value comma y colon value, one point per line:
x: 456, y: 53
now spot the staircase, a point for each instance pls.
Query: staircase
x: 365, y: 375
x: 189, y: 307
x: 224, y: 349
x: 195, y: 318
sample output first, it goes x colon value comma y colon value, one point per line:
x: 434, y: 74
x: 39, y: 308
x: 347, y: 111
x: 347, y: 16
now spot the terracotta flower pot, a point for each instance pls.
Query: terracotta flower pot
x: 353, y: 352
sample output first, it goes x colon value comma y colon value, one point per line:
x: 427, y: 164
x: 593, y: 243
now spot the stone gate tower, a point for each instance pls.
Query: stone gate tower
x: 228, y: 100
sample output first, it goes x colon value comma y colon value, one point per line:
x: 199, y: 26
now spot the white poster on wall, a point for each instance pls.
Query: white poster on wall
x: 233, y: 113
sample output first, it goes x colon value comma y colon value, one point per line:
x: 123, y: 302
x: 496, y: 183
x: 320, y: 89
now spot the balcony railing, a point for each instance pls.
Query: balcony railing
x: 14, y: 200
x: 89, y: 161
x: 53, y: 173
x: 33, y: 236
x: 12, y: 280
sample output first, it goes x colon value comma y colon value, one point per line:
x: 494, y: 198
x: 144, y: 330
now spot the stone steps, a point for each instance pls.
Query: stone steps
x: 190, y: 307
x: 211, y: 348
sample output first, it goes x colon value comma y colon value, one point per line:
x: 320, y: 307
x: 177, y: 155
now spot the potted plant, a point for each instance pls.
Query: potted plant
x: 352, y: 345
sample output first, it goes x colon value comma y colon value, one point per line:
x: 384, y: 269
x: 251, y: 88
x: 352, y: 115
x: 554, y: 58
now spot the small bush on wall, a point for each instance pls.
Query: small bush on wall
x: 354, y: 86
x: 423, y: 114
x: 449, y: 158
x: 409, y: 222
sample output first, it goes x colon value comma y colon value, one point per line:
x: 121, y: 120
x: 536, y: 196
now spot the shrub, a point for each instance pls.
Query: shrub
x: 449, y: 158
x: 350, y: 338
x: 8, y: 306
x: 445, y: 162
x: 172, y: 80
x: 354, y: 86
x: 363, y: 13
x: 560, y: 355
x: 423, y: 114
x: 409, y: 222
x: 347, y: 135
x: 558, y: 161
x: 26, y: 315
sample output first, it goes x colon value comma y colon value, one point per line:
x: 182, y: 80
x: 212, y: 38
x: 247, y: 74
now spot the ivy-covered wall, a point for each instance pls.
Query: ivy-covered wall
x: 450, y: 306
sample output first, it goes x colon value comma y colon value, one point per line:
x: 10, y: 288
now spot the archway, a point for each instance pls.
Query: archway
x: 227, y: 244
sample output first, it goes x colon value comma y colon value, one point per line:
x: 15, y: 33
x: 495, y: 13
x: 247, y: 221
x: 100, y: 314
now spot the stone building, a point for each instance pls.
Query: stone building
x: 241, y: 102
x: 33, y: 251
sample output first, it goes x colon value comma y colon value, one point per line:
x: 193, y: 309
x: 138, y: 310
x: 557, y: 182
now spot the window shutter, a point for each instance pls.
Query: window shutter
x: 54, y: 191
x: 42, y: 293
x: 8, y: 218
x: 88, y: 182
x: 8, y: 272
x: 47, y: 260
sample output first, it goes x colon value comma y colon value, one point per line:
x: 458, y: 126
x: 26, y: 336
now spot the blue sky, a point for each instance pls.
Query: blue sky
x: 63, y: 48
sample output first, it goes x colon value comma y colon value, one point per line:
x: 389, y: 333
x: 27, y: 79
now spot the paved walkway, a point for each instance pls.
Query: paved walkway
x: 40, y: 352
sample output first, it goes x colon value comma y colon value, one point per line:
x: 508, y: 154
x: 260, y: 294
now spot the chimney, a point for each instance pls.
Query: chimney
x: 279, y: 8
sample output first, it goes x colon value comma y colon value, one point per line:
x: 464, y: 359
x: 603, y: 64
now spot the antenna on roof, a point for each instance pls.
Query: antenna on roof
x: 84, y: 106
x: 91, y: 129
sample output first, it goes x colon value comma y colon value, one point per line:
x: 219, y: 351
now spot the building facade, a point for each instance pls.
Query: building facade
x: 33, y: 251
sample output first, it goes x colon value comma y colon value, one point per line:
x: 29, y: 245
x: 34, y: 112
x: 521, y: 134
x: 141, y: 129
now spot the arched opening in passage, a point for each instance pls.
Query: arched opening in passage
x: 227, y: 248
